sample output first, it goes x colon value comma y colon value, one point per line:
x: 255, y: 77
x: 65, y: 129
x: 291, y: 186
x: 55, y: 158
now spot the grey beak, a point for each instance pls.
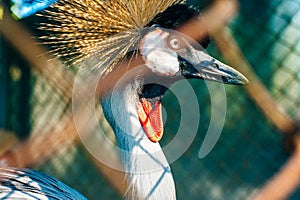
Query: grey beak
x: 199, y: 65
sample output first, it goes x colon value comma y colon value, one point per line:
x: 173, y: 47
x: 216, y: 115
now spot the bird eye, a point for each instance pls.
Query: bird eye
x: 174, y: 43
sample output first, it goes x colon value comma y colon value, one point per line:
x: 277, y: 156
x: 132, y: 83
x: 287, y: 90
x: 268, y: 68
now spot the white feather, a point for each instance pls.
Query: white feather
x: 147, y: 169
x: 157, y: 55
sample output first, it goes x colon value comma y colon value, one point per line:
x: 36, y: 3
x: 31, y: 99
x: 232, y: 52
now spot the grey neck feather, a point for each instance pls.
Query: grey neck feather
x: 148, y: 173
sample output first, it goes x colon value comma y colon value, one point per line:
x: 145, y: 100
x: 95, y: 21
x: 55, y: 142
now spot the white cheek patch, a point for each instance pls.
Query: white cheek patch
x: 162, y: 62
x: 157, y: 55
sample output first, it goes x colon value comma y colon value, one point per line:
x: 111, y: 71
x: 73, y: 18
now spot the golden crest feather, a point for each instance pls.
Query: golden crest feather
x: 104, y: 31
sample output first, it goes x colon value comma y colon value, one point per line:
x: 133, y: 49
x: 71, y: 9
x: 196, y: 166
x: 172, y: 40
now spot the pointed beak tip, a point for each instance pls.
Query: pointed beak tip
x: 246, y: 82
x: 236, y: 81
x: 242, y: 80
x: 234, y: 77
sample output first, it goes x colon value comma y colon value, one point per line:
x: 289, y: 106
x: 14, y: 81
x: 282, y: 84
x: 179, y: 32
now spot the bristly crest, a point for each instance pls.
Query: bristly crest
x: 103, y: 31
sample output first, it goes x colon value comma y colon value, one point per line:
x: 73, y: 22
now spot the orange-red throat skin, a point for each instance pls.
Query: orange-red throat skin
x: 151, y: 119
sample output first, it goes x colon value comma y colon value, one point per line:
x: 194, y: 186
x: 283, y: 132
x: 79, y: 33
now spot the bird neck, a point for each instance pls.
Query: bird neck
x: 147, y: 170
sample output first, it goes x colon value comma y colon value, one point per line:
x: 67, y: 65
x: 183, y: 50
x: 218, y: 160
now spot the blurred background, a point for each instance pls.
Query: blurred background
x: 35, y: 106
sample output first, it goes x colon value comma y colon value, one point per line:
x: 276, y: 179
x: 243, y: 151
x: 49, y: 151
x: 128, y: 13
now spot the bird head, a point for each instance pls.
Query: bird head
x: 172, y: 56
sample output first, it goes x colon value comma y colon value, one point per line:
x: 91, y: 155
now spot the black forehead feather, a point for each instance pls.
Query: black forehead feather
x: 176, y: 15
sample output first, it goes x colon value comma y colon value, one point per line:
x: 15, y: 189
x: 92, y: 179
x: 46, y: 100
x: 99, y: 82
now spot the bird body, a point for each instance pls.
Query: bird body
x: 31, y: 185
x: 98, y: 36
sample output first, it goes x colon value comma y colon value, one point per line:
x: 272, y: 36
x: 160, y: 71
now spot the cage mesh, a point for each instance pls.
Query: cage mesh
x: 250, y: 149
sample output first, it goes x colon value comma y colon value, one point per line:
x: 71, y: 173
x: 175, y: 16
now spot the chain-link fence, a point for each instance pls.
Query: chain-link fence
x: 250, y: 149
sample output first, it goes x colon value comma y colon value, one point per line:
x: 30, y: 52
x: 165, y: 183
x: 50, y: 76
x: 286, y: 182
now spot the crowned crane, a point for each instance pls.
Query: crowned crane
x: 99, y: 35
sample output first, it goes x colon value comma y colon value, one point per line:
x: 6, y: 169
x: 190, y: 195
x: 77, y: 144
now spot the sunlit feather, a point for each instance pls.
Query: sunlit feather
x: 104, y: 31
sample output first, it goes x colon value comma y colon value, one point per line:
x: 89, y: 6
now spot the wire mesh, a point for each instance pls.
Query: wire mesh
x: 250, y: 149
x: 48, y: 106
